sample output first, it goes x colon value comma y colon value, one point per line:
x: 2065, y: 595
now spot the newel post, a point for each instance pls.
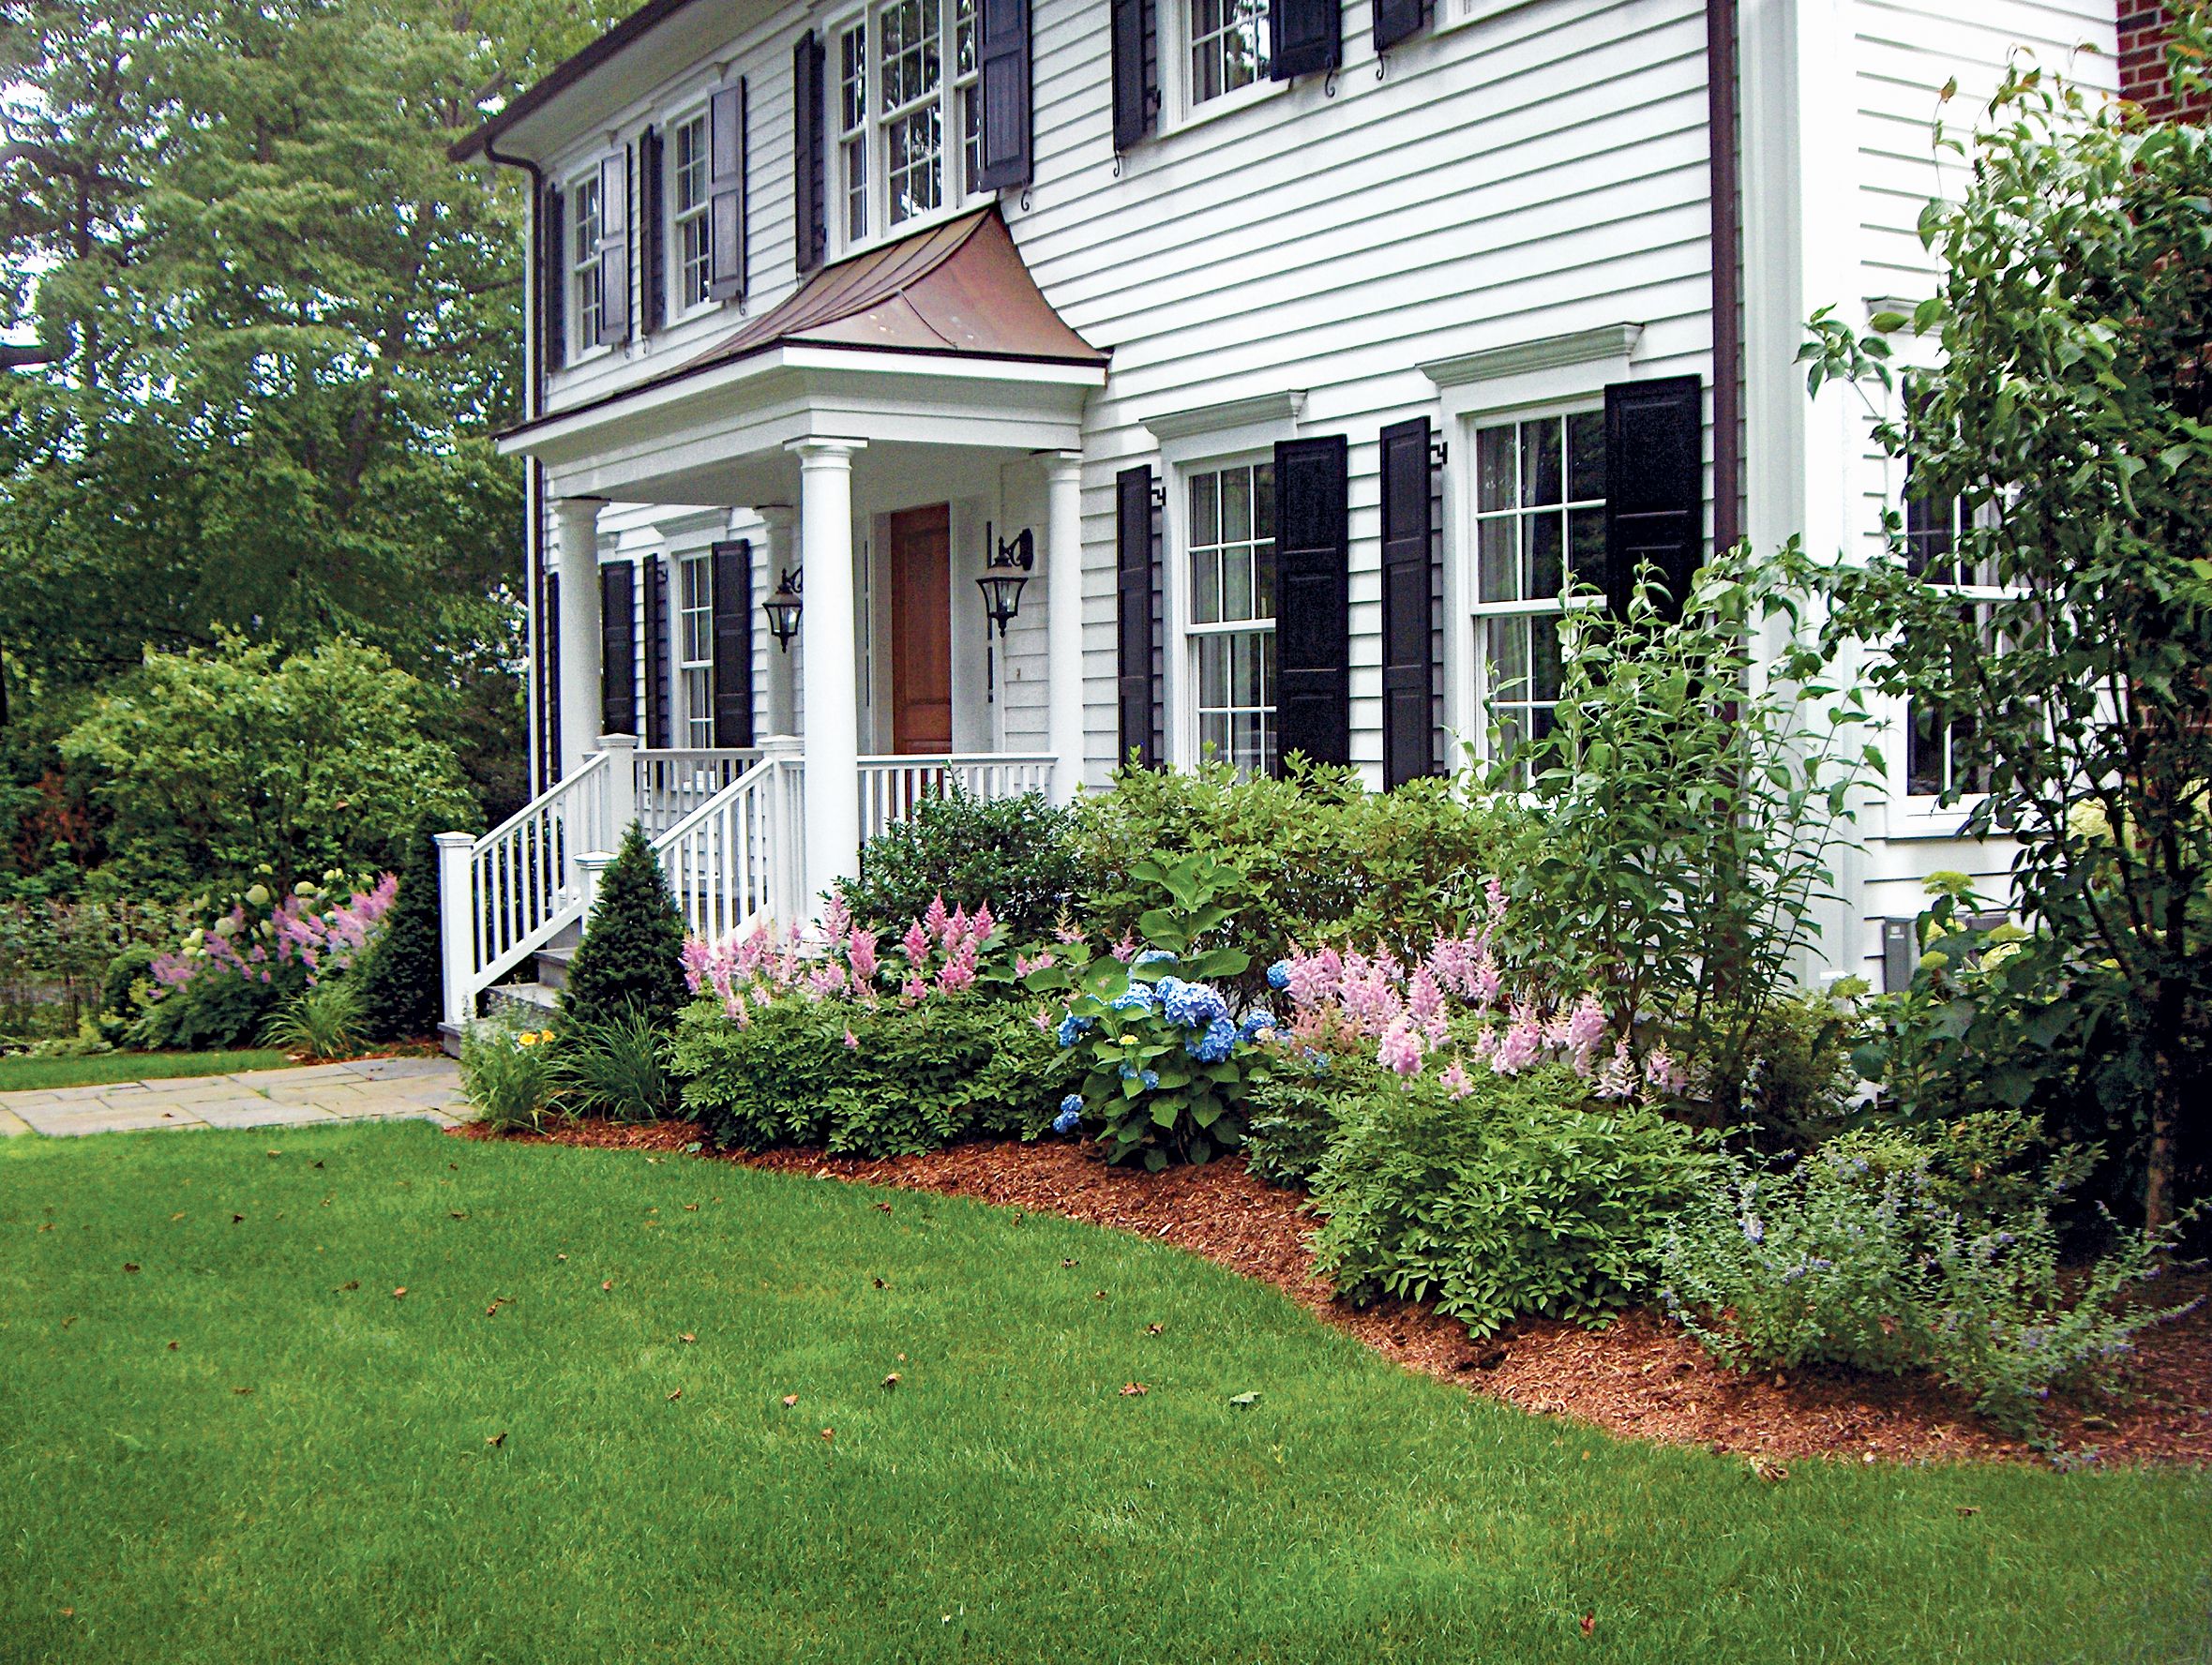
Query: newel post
x: 456, y: 935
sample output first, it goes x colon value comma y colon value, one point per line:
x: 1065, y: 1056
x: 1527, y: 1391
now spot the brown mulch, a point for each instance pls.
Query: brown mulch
x: 1640, y: 1377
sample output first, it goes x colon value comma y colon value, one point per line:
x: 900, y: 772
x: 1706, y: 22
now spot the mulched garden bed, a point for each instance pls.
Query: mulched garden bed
x: 1640, y: 1377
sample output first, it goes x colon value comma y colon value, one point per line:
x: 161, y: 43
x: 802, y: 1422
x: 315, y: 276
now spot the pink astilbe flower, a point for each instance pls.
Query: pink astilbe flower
x: 1663, y: 1073
x: 934, y: 916
x: 836, y: 919
x: 1314, y: 978
x: 1400, y: 1049
x: 982, y: 925
x: 1066, y: 934
x: 860, y: 952
x: 1450, y: 964
x: 1583, y: 1032
x: 825, y: 979
x: 912, y: 991
x: 1522, y: 1043
x: 1042, y: 1017
x: 959, y: 971
x: 1044, y: 961
x: 1425, y: 1001
x: 734, y: 1007
x: 851, y: 1041
x: 1493, y: 893
x: 956, y: 929
x: 1454, y: 1080
x: 1125, y: 950
x: 915, y: 943
x: 1485, y: 982
x: 698, y: 957
x: 1617, y: 1079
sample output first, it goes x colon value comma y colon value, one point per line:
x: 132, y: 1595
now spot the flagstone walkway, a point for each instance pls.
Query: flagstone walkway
x: 369, y: 1089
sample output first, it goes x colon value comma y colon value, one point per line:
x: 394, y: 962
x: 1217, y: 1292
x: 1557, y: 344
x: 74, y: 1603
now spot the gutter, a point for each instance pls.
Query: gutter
x: 1727, y: 248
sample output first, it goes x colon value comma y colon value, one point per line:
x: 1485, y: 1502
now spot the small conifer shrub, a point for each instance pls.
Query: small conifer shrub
x: 631, y: 958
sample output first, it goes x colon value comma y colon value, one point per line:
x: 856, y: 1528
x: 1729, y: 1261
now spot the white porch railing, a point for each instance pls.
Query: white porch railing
x: 673, y: 784
x: 731, y: 860
x: 522, y: 880
x: 890, y: 787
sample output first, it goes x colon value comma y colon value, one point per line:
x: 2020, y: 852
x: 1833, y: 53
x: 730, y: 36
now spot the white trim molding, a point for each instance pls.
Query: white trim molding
x: 1191, y: 420
x: 1491, y: 364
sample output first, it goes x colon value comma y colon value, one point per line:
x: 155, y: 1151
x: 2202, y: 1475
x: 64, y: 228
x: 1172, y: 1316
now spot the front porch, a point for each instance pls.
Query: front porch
x: 904, y: 426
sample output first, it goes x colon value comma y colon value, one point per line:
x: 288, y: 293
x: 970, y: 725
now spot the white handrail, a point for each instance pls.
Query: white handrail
x: 673, y: 782
x: 732, y: 861
x: 525, y: 881
x: 892, y: 785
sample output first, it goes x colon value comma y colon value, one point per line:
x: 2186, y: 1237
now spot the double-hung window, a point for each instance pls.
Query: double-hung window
x: 907, y: 114
x: 1938, y: 752
x: 1231, y: 538
x: 694, y: 227
x: 1228, y: 47
x: 695, y: 648
x: 1539, y: 528
x: 583, y: 259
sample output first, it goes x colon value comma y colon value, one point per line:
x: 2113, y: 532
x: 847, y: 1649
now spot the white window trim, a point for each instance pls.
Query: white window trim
x: 1178, y: 112
x: 1505, y: 381
x: 1457, y: 14
x: 579, y: 350
x: 1196, y: 454
x: 679, y: 559
x: 672, y: 256
x: 953, y: 199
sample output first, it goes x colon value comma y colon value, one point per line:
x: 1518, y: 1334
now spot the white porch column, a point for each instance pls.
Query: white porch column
x: 1063, y: 620
x: 826, y: 630
x: 578, y: 519
x: 781, y: 716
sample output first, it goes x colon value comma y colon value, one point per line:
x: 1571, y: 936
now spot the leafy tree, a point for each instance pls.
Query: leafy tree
x: 276, y: 329
x: 631, y: 958
x: 2067, y: 417
x: 212, y: 762
x: 402, y: 979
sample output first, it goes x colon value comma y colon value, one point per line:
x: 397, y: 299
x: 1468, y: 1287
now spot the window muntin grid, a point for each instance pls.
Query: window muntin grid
x: 910, y: 75
x: 584, y: 260
x: 1228, y: 47
x: 852, y: 127
x: 1229, y: 544
x: 695, y: 235
x: 695, y: 648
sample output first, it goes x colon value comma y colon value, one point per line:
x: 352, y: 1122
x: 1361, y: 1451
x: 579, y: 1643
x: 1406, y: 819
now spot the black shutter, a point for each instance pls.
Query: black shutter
x: 1131, y: 25
x: 1002, y: 83
x: 657, y: 651
x: 1307, y: 37
x: 614, y: 251
x: 618, y: 648
x: 1398, y: 20
x: 653, y: 232
x: 553, y: 283
x: 811, y: 232
x: 1408, y: 679
x: 1133, y: 591
x: 549, y: 680
x: 1654, y: 486
x: 1313, y: 601
x: 733, y: 577
x: 726, y: 188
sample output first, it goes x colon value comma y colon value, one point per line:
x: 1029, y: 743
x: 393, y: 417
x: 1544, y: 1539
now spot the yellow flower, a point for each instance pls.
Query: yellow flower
x: 526, y: 1040
x: 544, y: 1034
x: 1129, y: 1040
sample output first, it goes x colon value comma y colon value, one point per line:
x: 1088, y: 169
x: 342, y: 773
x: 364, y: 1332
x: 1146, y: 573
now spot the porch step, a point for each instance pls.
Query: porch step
x: 552, y: 967
x: 528, y: 1001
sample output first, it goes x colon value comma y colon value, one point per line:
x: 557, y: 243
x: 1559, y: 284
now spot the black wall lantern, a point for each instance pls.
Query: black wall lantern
x: 1006, y: 569
x: 783, y: 609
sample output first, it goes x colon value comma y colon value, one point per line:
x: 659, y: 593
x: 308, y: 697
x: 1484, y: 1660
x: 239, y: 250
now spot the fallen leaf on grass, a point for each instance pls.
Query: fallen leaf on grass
x: 47, y: 1227
x: 560, y: 1258
x: 349, y: 1283
x: 1245, y: 1399
x: 678, y: 1394
x: 130, y: 1265
x: 400, y: 1292
x: 1065, y: 1264
x: 1766, y: 1469
x: 69, y: 1320
x: 1968, y: 1508
x: 172, y: 1346
x: 1153, y: 1329
x: 883, y: 1207
x: 498, y: 1302
x: 1134, y: 1389
x: 686, y: 1336
x: 496, y: 1439
x: 790, y: 1400
x: 236, y: 1218
x: 459, y: 1213
x: 241, y: 1390
x: 829, y: 1433
x: 691, y: 1208
x: 1589, y: 1623
x: 1098, y: 1295
x: 276, y: 1153
x: 178, y: 1215
x: 606, y: 1287
x: 890, y: 1380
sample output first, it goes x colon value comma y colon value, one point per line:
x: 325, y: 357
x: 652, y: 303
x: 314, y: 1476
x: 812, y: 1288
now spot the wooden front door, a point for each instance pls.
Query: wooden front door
x: 921, y: 630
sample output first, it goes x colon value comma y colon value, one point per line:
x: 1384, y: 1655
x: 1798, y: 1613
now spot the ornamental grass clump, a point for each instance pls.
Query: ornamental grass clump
x: 509, y: 1073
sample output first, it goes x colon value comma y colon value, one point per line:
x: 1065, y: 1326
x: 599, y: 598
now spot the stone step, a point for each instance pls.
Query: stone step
x: 528, y: 1001
x: 552, y: 966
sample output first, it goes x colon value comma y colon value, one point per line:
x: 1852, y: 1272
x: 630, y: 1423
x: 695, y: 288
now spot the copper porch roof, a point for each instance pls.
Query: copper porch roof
x: 958, y: 289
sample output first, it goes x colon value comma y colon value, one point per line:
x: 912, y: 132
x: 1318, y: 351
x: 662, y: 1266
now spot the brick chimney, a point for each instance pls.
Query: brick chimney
x: 2143, y: 64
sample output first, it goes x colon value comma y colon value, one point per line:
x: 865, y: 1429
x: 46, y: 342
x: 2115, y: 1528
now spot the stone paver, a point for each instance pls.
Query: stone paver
x: 372, y: 1089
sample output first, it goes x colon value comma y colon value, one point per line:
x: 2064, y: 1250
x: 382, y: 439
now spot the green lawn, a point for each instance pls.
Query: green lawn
x: 1004, y: 1502
x: 31, y: 1074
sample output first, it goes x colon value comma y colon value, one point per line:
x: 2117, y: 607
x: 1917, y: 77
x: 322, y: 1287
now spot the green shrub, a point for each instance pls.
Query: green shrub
x: 1797, y: 1083
x: 510, y: 1074
x: 632, y: 952
x: 1296, y: 1115
x: 616, y: 1069
x: 401, y: 977
x: 212, y: 1014
x: 1013, y: 853
x: 911, y: 1078
x: 1840, y: 1258
x: 1323, y: 860
x: 128, y: 982
x: 212, y: 762
x: 1517, y: 1199
x: 326, y: 1020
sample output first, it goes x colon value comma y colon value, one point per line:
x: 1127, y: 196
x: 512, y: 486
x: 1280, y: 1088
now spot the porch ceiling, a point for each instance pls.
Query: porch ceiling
x: 936, y: 344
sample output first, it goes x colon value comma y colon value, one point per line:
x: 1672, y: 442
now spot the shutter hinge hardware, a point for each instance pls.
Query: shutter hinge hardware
x: 1159, y: 495
x: 1382, y: 64
x: 1439, y: 452
x: 1329, y: 84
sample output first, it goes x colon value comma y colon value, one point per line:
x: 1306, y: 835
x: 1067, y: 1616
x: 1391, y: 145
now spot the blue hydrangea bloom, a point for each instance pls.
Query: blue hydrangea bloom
x: 1128, y: 1070
x: 1319, y: 1059
x: 1072, y: 1029
x: 1071, y: 1115
x: 1191, y: 1004
x: 1135, y: 998
x: 1151, y: 1078
x: 1152, y: 956
x: 1215, y: 1044
x: 1071, y: 1105
x: 1279, y: 975
x: 1259, y: 1019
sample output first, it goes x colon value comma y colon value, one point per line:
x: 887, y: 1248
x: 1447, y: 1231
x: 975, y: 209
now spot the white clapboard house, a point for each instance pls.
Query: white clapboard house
x: 981, y: 391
